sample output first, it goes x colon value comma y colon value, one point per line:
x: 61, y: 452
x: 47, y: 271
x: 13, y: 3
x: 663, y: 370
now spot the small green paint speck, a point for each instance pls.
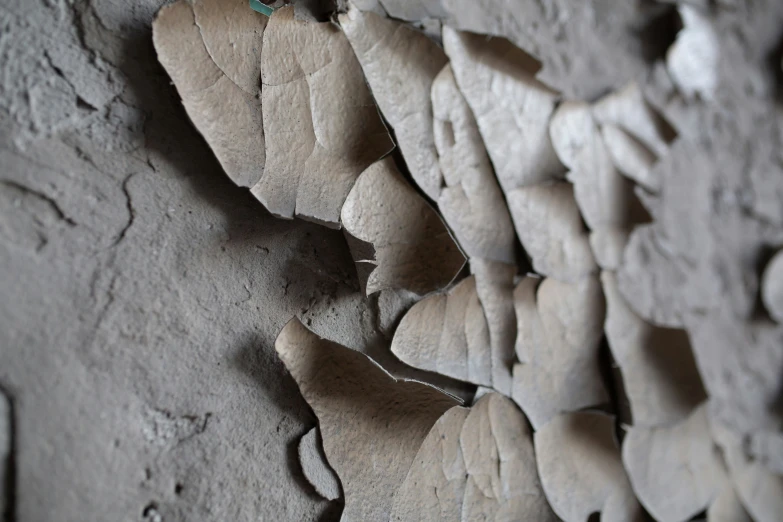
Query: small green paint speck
x: 257, y: 6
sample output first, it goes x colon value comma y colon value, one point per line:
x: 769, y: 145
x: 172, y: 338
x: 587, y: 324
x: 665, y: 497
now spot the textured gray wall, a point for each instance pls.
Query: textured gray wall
x: 141, y: 291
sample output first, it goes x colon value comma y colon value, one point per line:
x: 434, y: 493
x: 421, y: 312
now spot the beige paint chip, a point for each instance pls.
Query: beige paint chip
x: 512, y: 108
x: 659, y: 372
x: 581, y: 469
x: 434, y: 487
x: 315, y: 468
x: 232, y: 37
x: 396, y: 238
x: 322, y: 127
x: 447, y: 333
x: 475, y: 464
x: 559, y: 330
x: 675, y: 470
x: 503, y: 482
x: 400, y: 65
x: 372, y: 424
x: 212, y: 57
x: 608, y: 245
x: 761, y: 492
x: 495, y: 289
x: 471, y: 202
x: 727, y: 507
x: 604, y: 197
x: 550, y: 228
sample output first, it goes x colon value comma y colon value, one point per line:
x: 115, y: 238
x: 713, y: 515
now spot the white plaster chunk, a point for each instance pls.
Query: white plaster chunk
x: 559, y: 330
x: 581, y: 469
x: 631, y: 157
x: 628, y: 110
x: 213, y: 59
x: 372, y: 424
x: 400, y: 64
x: 692, y: 60
x: 659, y: 372
x: 772, y: 287
x: 511, y: 107
x: 471, y: 202
x: 549, y: 225
x: 675, y: 470
x: 397, y: 240
x: 447, y: 333
x: 315, y: 468
x: 318, y: 139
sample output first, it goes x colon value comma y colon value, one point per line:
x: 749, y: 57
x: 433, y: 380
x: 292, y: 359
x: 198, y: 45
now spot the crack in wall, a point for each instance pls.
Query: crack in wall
x: 129, y: 207
x: 51, y: 202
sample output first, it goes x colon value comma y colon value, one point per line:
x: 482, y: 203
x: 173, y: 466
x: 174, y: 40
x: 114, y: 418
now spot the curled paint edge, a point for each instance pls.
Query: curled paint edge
x: 258, y: 7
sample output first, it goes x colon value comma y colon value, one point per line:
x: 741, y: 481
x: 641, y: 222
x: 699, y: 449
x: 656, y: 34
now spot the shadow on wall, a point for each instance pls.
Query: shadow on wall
x: 169, y: 132
x: 261, y: 364
x: 7, y: 458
